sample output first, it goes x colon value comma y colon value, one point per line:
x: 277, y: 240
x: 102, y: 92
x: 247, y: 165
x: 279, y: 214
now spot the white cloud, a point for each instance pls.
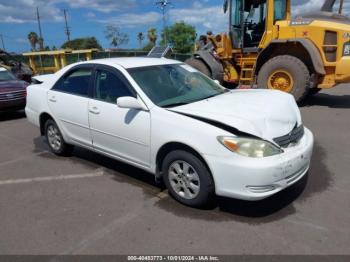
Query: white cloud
x: 203, y: 17
x: 105, y: 6
x: 133, y: 19
x: 200, y: 13
x: 24, y: 11
x: 302, y: 7
x: 21, y: 40
x: 90, y: 15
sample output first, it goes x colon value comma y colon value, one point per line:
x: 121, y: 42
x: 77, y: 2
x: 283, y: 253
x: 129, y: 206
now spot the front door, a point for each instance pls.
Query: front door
x: 120, y: 132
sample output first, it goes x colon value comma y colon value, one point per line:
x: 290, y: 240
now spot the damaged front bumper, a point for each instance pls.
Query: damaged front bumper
x: 258, y: 178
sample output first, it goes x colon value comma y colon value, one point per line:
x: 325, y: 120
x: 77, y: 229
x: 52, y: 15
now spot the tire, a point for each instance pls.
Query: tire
x: 199, y: 65
x: 194, y: 190
x: 55, y: 139
x: 291, y: 66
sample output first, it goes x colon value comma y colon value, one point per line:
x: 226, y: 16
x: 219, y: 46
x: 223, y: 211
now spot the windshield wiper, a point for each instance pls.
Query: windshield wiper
x: 175, y: 104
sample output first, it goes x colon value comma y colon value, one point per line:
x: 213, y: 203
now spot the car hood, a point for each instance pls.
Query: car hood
x: 12, y: 85
x: 263, y: 113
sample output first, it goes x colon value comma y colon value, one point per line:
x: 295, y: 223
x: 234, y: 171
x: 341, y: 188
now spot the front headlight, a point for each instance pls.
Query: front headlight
x: 250, y: 147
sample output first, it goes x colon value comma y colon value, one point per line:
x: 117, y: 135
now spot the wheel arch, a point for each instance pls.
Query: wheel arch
x: 303, y: 49
x: 172, y: 146
x: 44, y: 116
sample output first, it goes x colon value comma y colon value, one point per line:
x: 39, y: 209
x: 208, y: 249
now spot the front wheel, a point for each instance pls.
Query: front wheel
x: 55, y: 139
x: 188, y: 179
x: 286, y: 73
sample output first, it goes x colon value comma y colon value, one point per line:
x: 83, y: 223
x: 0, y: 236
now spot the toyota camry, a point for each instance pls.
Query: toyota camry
x: 167, y: 118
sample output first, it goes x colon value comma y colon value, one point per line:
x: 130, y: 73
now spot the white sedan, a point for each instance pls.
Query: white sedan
x: 169, y: 119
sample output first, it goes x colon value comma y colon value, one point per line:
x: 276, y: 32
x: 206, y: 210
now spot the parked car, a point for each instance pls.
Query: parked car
x: 12, y: 91
x: 169, y: 119
x: 21, y: 70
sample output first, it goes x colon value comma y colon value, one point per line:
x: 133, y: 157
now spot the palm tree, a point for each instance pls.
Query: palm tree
x: 41, y: 43
x: 33, y: 40
x: 152, y: 35
x: 140, y: 38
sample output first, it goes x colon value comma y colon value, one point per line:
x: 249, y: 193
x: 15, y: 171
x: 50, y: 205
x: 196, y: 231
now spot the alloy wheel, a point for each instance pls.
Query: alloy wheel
x: 54, y: 137
x: 184, y: 179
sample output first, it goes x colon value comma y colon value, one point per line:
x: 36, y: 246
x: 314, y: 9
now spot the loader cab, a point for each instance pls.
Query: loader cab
x: 250, y: 19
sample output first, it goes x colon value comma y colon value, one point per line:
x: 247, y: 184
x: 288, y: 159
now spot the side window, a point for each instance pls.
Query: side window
x: 110, y: 86
x: 76, y: 82
x: 280, y: 9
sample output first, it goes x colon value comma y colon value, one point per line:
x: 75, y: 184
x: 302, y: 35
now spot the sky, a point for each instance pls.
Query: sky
x: 90, y: 17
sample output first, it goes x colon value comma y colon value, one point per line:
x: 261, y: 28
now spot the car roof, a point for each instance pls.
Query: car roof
x: 133, y: 62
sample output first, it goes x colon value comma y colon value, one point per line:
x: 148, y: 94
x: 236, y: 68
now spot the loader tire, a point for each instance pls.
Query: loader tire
x: 286, y: 73
x: 199, y: 65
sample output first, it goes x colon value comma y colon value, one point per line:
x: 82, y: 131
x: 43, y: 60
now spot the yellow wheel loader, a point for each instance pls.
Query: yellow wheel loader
x: 266, y: 47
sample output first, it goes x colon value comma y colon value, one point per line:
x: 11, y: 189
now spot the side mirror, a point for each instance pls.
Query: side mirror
x: 217, y: 82
x: 130, y: 102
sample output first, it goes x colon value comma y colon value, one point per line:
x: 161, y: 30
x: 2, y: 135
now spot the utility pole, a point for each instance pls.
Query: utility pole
x: 41, y: 39
x: 164, y: 5
x: 2, y: 41
x: 67, y: 30
x: 341, y: 6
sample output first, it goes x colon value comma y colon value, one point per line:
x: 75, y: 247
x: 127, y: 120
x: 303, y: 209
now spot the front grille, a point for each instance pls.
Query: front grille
x: 15, y: 95
x: 293, y: 137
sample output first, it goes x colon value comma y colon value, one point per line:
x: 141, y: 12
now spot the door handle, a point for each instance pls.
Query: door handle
x: 94, y: 111
x: 53, y: 99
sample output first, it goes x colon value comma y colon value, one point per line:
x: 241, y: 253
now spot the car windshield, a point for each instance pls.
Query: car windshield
x: 6, y: 76
x: 175, y: 85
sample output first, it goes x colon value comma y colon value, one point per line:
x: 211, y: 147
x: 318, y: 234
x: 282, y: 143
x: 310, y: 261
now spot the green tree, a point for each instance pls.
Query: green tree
x: 140, y: 38
x: 82, y: 43
x: 181, y: 37
x: 152, y: 35
x: 115, y: 36
x: 33, y: 40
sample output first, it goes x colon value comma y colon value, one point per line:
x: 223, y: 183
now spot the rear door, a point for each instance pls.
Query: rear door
x: 120, y: 132
x: 68, y: 100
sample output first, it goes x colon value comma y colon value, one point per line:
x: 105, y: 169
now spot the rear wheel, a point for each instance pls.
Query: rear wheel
x: 199, y: 65
x: 55, y: 139
x: 188, y: 179
x: 286, y: 73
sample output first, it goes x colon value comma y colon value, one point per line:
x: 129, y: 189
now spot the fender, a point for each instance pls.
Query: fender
x: 216, y: 68
x: 310, y: 48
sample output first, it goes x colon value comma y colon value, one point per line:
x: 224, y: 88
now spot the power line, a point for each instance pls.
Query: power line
x: 2, y: 41
x: 164, y: 5
x: 41, y: 40
x: 67, y: 29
